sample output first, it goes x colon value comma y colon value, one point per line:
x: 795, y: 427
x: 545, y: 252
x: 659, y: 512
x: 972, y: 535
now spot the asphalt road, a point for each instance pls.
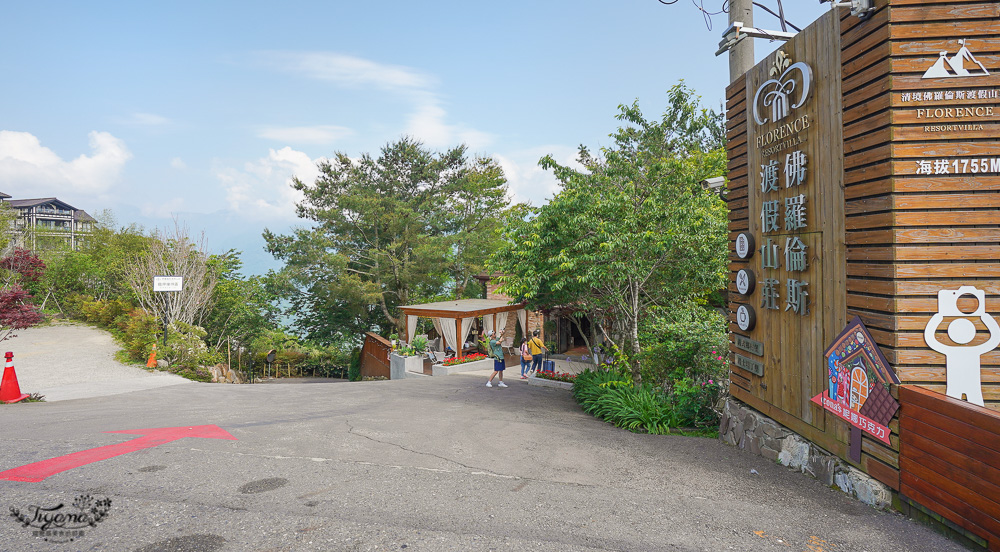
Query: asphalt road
x: 422, y: 464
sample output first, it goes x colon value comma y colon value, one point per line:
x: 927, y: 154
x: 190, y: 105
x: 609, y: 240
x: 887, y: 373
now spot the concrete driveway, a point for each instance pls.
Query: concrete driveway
x: 427, y: 464
x: 67, y: 360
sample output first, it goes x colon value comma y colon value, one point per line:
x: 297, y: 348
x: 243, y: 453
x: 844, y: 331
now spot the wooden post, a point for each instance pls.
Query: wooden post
x: 741, y: 55
x: 458, y: 337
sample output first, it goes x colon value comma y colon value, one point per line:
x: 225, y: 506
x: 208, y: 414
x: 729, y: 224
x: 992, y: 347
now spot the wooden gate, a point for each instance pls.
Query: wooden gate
x: 949, y: 460
x: 375, y: 356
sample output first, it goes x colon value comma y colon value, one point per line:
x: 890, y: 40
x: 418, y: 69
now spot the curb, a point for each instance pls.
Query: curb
x: 532, y: 380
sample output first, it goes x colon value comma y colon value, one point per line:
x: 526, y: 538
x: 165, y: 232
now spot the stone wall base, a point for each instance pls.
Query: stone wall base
x: 742, y: 426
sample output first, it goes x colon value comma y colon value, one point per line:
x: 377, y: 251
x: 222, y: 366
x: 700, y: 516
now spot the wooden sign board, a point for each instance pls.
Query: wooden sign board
x: 794, y: 216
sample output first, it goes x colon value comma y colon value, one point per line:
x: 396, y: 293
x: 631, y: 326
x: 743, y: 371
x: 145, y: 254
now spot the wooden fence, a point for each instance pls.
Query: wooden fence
x: 949, y: 460
x: 375, y: 356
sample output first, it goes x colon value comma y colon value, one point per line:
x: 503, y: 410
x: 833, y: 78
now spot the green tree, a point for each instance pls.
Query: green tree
x: 632, y: 230
x: 406, y: 226
x: 13, y: 233
x: 242, y: 307
x: 98, y: 268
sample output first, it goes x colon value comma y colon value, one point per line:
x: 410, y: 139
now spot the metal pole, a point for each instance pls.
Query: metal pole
x: 741, y: 55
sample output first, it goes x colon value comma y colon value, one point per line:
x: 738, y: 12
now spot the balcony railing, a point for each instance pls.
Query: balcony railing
x: 44, y: 211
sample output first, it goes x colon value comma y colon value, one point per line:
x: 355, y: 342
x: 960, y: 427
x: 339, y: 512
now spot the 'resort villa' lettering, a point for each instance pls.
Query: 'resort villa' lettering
x: 955, y: 112
x: 953, y: 128
x: 784, y: 131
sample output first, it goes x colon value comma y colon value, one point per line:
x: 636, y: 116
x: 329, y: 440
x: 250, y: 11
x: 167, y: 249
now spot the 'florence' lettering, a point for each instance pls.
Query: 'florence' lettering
x: 784, y: 131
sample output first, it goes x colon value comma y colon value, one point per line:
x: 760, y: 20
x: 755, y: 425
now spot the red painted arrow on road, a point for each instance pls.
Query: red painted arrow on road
x: 38, y: 471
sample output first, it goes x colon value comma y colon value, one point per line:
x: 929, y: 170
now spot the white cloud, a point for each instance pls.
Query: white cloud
x: 429, y: 124
x: 145, y: 119
x: 527, y: 181
x: 320, y: 134
x: 261, y: 188
x: 178, y: 163
x: 349, y: 71
x: 29, y: 169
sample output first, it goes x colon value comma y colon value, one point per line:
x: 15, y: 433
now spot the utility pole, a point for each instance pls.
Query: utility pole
x: 741, y: 54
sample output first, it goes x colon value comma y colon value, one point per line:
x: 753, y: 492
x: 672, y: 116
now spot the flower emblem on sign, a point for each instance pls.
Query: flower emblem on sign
x: 786, y: 90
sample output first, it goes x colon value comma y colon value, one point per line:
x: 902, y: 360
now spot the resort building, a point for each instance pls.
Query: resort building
x: 47, y: 220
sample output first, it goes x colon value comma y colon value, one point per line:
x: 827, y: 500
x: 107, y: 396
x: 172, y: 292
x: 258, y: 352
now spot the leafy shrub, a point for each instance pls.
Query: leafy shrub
x: 682, y: 343
x: 609, y: 395
x: 193, y: 373
x: 138, y: 331
x: 354, y: 369
x: 694, y: 402
x: 185, y: 346
x: 73, y: 304
x: 103, y: 313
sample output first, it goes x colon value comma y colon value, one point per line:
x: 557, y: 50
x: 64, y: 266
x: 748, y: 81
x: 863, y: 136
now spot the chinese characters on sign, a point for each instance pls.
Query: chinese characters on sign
x: 949, y: 95
x: 792, y: 173
x: 958, y: 166
x: 782, y: 170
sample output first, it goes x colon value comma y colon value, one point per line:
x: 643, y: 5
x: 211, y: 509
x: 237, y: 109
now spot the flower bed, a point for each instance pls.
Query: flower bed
x: 469, y: 358
x: 557, y: 376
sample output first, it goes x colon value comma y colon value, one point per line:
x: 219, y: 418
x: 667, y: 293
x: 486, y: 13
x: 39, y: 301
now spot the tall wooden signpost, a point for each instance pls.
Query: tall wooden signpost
x: 864, y: 168
x: 787, y: 218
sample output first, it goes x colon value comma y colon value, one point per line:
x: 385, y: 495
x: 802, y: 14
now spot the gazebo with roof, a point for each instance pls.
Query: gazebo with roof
x: 450, y: 318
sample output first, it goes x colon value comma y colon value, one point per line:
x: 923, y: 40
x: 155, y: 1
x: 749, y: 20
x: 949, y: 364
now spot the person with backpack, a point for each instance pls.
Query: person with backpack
x: 536, y: 347
x: 526, y: 359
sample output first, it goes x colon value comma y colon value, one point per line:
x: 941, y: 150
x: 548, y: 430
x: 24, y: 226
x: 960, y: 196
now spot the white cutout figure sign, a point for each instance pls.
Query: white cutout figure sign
x: 963, y: 369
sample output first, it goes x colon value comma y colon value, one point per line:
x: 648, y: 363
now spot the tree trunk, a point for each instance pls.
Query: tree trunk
x: 586, y: 340
x: 634, y: 336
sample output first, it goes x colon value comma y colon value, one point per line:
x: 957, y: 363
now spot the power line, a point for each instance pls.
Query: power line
x: 700, y: 6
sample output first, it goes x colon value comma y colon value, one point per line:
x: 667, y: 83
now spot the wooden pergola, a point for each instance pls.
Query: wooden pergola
x: 459, y: 309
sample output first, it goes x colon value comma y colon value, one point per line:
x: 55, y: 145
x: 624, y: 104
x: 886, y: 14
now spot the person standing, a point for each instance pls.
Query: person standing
x: 495, y: 350
x: 526, y: 359
x: 536, y: 347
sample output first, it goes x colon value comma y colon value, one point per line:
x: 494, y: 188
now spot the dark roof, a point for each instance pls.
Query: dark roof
x: 26, y: 203
x: 4, y: 196
x: 81, y: 216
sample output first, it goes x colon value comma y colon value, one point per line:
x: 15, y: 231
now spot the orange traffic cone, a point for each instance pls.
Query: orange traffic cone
x: 151, y: 363
x: 10, y: 391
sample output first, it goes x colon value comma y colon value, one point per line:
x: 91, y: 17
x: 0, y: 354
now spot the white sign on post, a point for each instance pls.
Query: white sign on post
x: 168, y: 283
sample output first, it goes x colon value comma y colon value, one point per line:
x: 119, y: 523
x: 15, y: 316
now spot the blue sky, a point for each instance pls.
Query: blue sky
x: 203, y: 110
